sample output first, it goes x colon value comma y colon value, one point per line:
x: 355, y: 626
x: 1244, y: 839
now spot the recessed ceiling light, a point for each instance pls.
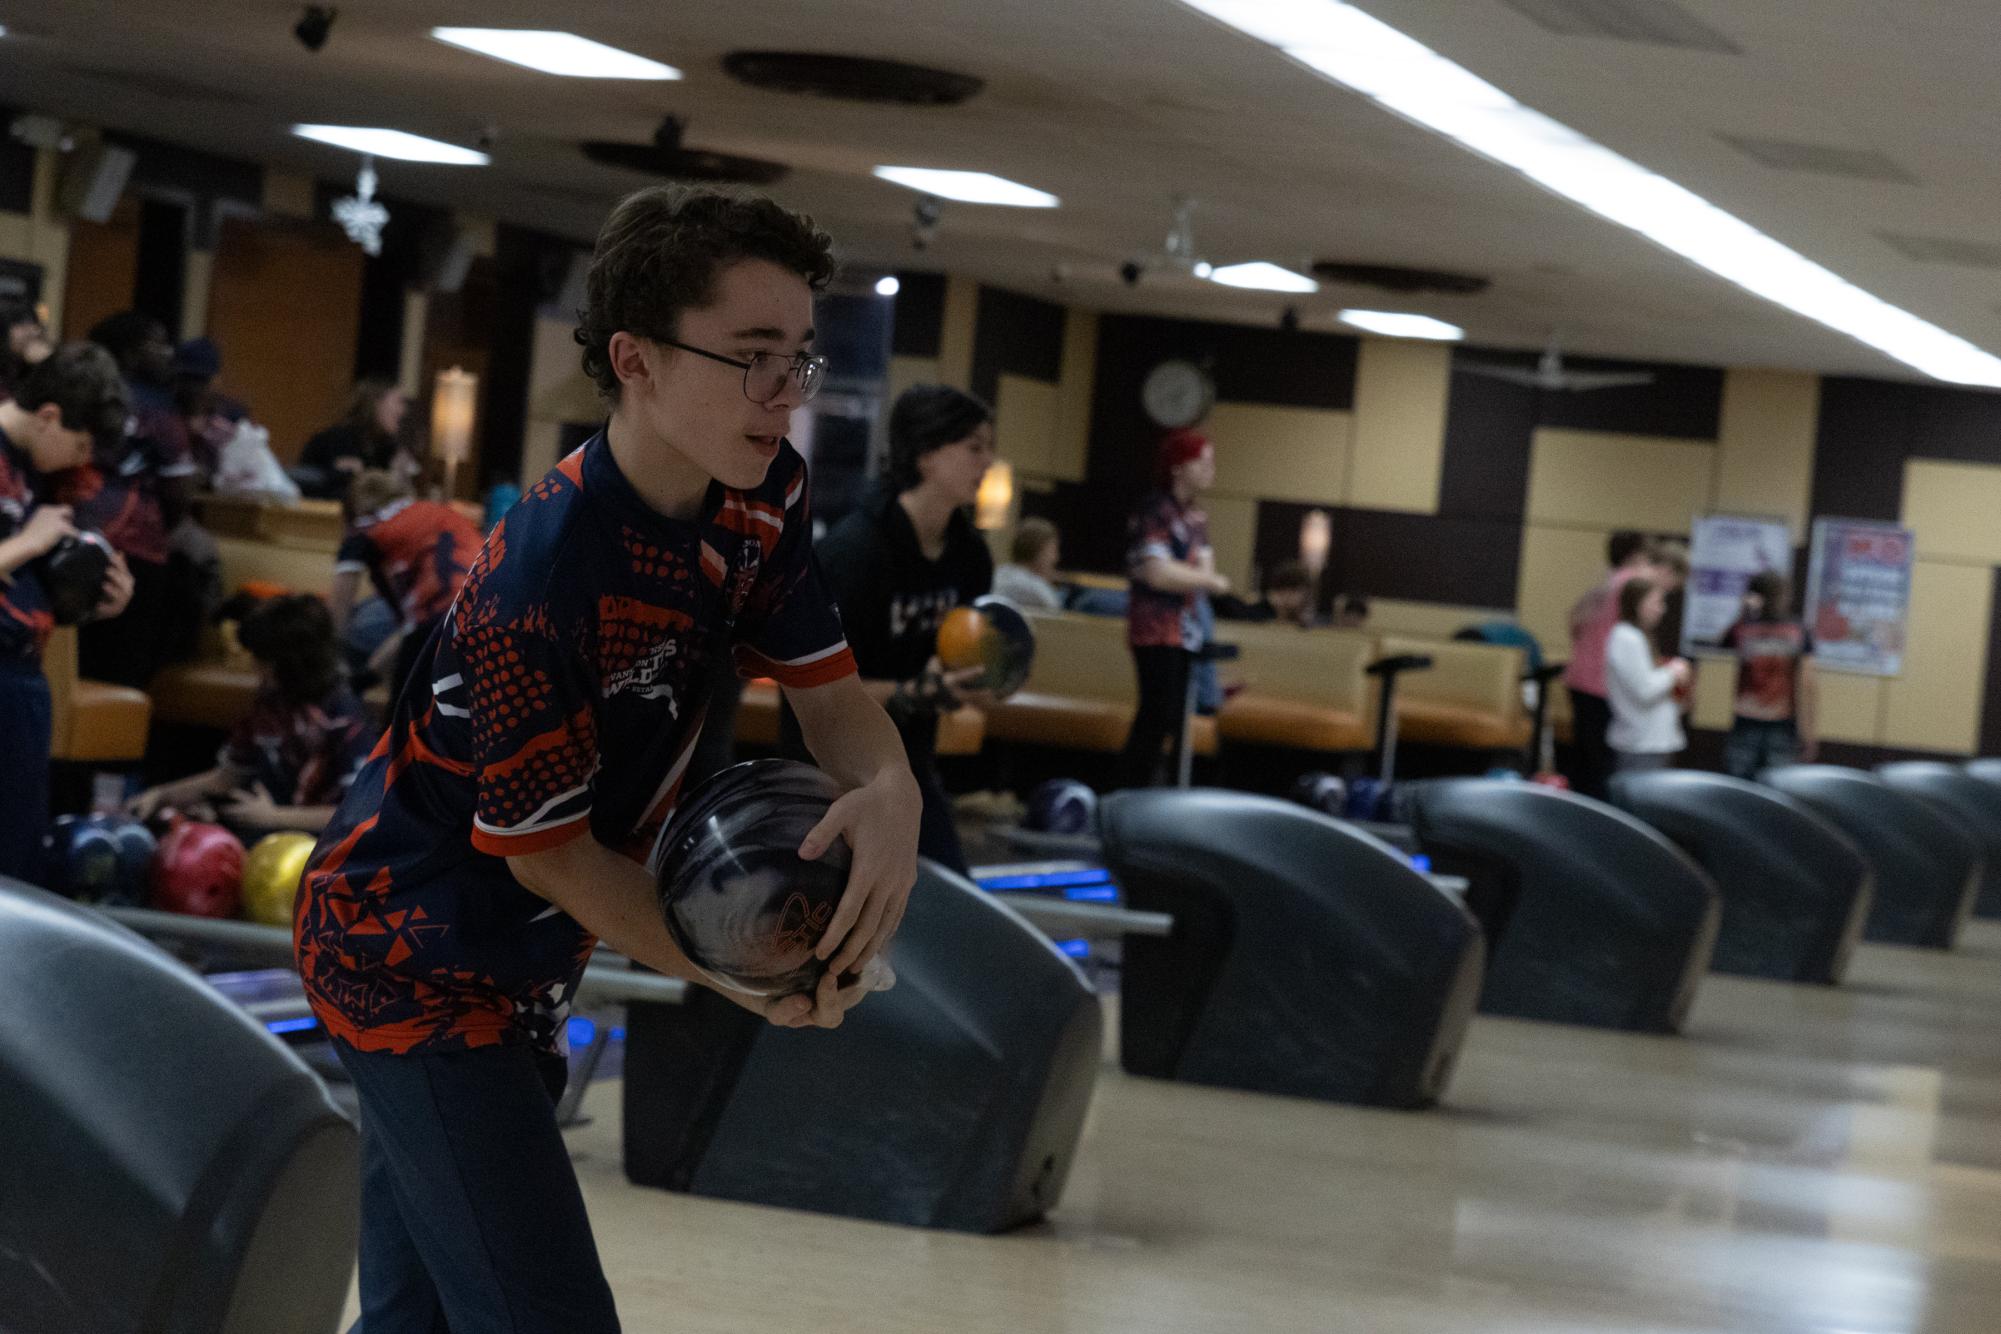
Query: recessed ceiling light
x: 1396, y: 324
x: 1261, y: 276
x: 969, y: 187
x: 392, y: 144
x: 888, y: 286
x: 1365, y: 54
x: 553, y: 52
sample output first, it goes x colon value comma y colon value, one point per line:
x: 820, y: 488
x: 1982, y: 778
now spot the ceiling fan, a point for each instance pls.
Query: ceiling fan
x: 1550, y: 374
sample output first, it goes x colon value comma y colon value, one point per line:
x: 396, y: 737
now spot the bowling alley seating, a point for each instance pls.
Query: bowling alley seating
x: 954, y: 1100
x: 1796, y: 889
x: 171, y: 1167
x: 1470, y: 698
x: 91, y: 722
x: 960, y: 732
x: 1591, y: 916
x: 215, y: 689
x: 1307, y: 957
x: 1306, y: 689
x: 1927, y: 868
x: 1081, y: 693
x: 1972, y: 804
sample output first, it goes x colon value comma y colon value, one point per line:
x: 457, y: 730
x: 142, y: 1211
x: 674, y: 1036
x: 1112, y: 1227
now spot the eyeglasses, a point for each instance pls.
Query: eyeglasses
x: 765, y: 374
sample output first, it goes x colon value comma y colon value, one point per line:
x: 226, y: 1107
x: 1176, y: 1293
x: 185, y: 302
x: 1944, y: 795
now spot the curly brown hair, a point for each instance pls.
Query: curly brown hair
x: 83, y: 380
x: 660, y: 252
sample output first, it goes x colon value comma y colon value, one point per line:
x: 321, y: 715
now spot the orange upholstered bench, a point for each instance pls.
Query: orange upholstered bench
x: 91, y: 721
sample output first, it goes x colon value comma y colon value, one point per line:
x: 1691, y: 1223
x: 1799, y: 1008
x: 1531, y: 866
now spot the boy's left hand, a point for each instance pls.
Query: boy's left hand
x: 879, y: 822
x: 117, y: 588
x: 251, y: 807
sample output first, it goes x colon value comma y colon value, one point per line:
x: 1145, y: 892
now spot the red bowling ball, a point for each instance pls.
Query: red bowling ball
x: 198, y: 870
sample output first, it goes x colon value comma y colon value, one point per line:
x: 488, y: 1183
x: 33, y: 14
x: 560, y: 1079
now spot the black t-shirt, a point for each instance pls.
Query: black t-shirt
x: 891, y: 596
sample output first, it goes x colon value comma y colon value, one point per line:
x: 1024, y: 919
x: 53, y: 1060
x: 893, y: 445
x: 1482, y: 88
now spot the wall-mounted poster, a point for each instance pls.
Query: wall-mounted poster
x: 1859, y: 594
x: 1725, y: 550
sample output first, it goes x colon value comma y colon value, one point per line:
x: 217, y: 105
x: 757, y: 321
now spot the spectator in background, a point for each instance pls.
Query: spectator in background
x: 59, y: 408
x: 1029, y: 578
x: 1173, y: 571
x: 136, y: 492
x: 210, y: 417
x: 1777, y: 694
x: 416, y: 554
x: 1592, y: 617
x: 289, y: 762
x: 1351, y: 612
x: 369, y: 434
x: 1645, y: 730
x: 26, y: 342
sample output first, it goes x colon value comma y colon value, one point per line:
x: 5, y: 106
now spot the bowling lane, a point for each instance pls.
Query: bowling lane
x: 1804, y: 1160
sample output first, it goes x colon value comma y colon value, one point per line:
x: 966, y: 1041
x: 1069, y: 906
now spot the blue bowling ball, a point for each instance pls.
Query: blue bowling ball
x: 1503, y: 774
x: 100, y: 859
x: 1061, y: 806
x: 1365, y: 797
x: 1323, y: 792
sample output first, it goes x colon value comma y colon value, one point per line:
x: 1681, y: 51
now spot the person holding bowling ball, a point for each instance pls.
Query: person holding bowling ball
x: 504, y: 824
x: 899, y: 564
x: 59, y: 409
x: 289, y: 761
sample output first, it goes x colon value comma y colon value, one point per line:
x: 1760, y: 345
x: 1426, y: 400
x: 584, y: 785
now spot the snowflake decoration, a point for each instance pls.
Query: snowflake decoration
x: 359, y: 215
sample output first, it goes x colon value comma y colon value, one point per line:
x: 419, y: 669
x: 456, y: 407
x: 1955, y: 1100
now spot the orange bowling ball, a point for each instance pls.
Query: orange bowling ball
x: 962, y: 639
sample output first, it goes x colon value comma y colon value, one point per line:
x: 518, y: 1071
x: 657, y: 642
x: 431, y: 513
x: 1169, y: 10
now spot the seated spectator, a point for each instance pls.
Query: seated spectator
x: 1029, y: 577
x: 1351, y: 612
x: 369, y: 434
x: 290, y: 761
x: 1287, y: 597
x: 210, y: 417
x: 416, y: 554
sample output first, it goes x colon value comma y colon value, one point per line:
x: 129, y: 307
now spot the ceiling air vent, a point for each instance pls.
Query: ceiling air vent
x: 666, y: 156
x: 851, y: 78
x: 1395, y: 278
x: 1862, y: 164
x: 1654, y: 22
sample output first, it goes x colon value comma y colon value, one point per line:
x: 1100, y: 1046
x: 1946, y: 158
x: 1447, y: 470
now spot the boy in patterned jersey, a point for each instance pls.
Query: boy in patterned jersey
x: 415, y: 552
x: 499, y: 830
x: 1773, y: 717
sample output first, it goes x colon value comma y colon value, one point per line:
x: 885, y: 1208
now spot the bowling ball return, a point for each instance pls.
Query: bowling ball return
x: 954, y: 1100
x: 1969, y: 802
x: 1591, y: 916
x: 1927, y: 866
x: 1796, y: 890
x: 1306, y: 958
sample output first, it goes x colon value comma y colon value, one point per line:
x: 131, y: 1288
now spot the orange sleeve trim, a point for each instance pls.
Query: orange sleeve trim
x: 830, y: 668
x: 527, y: 845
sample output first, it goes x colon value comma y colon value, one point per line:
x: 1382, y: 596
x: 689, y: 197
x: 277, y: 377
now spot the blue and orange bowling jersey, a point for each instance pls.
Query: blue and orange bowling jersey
x: 417, y: 554
x: 25, y: 618
x: 560, y: 697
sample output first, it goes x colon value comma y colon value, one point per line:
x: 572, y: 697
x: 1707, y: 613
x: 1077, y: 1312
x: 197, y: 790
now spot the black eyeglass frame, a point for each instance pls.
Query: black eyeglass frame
x: 798, y: 364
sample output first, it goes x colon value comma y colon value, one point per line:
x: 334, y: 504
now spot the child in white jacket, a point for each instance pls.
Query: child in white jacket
x: 1646, y: 715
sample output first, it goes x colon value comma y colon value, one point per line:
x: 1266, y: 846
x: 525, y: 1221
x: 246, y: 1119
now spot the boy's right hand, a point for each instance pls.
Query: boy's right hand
x: 46, y: 526
x: 142, y: 806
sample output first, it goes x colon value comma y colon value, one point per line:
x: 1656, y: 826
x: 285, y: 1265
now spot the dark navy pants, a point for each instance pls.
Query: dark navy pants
x: 24, y: 749
x: 471, y: 1219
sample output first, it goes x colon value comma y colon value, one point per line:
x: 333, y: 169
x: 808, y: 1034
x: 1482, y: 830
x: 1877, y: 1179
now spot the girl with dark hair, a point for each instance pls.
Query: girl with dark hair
x: 369, y: 434
x: 290, y: 760
x: 903, y: 560
x: 1646, y: 716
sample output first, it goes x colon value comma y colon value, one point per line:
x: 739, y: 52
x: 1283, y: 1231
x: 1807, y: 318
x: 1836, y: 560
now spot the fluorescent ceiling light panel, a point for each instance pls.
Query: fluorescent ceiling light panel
x: 552, y: 52
x: 1365, y: 54
x: 1395, y: 324
x: 1260, y: 276
x: 968, y: 187
x: 392, y: 144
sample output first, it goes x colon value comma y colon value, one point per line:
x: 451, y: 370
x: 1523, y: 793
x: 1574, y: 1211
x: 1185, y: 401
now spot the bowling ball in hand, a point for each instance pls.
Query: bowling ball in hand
x: 1061, y: 806
x: 991, y: 634
x: 1323, y: 792
x: 73, y: 574
x: 737, y: 897
x: 198, y: 870
x: 271, y: 875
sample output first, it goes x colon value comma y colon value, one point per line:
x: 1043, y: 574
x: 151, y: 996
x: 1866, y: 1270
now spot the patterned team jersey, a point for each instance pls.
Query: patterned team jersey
x: 118, y: 494
x: 1161, y: 527
x: 25, y: 619
x: 561, y: 696
x: 1768, y: 667
x: 415, y: 552
x: 303, y: 754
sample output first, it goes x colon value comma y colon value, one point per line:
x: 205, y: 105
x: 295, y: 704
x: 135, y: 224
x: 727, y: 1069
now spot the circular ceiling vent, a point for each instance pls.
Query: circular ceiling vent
x: 1396, y: 278
x: 667, y: 156
x: 851, y: 78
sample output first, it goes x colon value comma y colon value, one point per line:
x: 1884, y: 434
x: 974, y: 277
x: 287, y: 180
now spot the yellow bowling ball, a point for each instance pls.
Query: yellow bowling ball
x: 271, y: 876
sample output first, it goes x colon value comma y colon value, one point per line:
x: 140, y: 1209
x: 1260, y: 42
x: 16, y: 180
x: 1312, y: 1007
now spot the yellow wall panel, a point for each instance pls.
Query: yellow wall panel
x: 903, y: 373
x: 1953, y: 508
x: 1427, y: 620
x: 1276, y: 453
x: 1399, y: 450
x: 1558, y: 565
x: 1851, y: 707
x: 1233, y: 525
x: 41, y: 235
x: 1603, y: 480
x: 1076, y: 381
x: 955, y: 340
x: 1764, y: 461
x: 1936, y: 703
x: 1025, y: 423
x: 1715, y: 692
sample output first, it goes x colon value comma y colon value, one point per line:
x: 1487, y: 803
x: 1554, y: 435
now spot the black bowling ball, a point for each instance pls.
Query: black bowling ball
x: 73, y: 575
